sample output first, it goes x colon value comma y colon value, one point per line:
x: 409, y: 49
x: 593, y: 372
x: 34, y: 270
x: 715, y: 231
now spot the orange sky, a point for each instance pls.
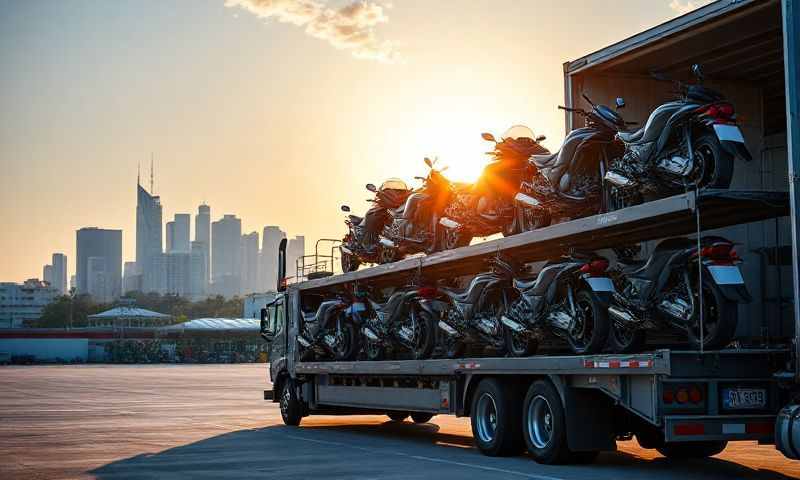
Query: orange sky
x: 274, y: 119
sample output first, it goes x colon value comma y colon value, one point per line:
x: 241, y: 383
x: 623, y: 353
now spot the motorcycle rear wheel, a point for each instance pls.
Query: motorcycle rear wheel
x: 716, y: 162
x: 347, y: 347
x: 720, y: 317
x: 451, y: 238
x: 517, y: 345
x: 424, y: 335
x: 387, y: 255
x: 626, y: 340
x: 594, y: 326
x: 350, y: 262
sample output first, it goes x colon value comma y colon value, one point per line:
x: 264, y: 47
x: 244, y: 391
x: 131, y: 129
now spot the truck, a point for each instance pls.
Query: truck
x: 565, y: 407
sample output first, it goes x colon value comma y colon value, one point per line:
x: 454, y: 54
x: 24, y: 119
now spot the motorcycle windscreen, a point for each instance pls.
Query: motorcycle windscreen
x: 600, y: 284
x: 726, y: 274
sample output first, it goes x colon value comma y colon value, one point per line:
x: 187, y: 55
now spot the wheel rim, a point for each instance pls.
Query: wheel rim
x: 624, y: 336
x: 419, y: 328
x: 710, y: 315
x: 584, y: 324
x: 373, y: 350
x: 540, y: 422
x: 451, y: 239
x: 519, y: 343
x: 532, y: 220
x: 387, y: 255
x: 705, y: 161
x: 486, y: 418
x: 285, y: 399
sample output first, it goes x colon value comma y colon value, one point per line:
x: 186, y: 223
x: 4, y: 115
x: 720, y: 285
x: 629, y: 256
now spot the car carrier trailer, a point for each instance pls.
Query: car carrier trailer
x: 685, y: 403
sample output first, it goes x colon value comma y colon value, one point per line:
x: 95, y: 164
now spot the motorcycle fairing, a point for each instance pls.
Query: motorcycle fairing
x: 467, y: 300
x: 314, y: 322
x: 394, y: 306
x: 558, y: 168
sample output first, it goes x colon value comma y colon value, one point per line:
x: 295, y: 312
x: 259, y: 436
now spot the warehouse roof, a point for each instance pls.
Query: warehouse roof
x: 216, y: 324
x: 130, y: 312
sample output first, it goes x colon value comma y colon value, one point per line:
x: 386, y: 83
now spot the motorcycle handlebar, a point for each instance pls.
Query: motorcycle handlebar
x: 573, y: 110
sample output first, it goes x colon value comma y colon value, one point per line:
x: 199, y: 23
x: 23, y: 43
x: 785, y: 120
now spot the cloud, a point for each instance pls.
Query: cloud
x: 687, y: 6
x: 350, y: 27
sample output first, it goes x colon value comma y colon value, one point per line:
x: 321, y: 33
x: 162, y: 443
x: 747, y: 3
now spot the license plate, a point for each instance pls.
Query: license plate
x: 728, y: 133
x: 741, y: 398
x: 600, y: 284
x: 726, y: 274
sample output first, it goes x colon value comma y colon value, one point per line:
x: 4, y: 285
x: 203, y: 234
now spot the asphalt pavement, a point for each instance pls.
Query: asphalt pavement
x: 209, y: 421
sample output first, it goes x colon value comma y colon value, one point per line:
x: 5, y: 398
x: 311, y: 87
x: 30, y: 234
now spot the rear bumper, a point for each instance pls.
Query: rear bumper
x: 689, y: 428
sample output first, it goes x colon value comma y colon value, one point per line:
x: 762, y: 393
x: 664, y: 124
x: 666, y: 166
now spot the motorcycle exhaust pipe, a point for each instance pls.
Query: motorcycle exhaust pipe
x: 386, y: 242
x: 345, y: 250
x: 618, y: 180
x: 449, y: 223
x: 527, y: 200
x: 675, y: 165
x: 447, y: 328
x: 405, y: 333
x: 330, y: 341
x: 512, y: 324
x: 679, y: 309
x: 302, y: 341
x: 621, y: 315
x: 370, y: 334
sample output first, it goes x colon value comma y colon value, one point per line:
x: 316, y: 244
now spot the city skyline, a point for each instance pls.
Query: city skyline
x: 212, y: 93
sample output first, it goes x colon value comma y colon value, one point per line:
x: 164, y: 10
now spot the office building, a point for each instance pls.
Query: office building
x: 249, y: 263
x: 268, y: 261
x: 47, y: 275
x: 169, y: 231
x: 99, y: 262
x: 177, y: 267
x: 226, y: 257
x: 60, y: 273
x: 148, y: 237
x: 198, y: 282
x: 131, y: 278
x: 202, y: 233
x: 21, y: 304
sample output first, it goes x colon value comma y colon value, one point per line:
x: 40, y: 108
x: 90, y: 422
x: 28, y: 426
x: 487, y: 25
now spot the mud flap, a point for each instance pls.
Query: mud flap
x: 589, y: 420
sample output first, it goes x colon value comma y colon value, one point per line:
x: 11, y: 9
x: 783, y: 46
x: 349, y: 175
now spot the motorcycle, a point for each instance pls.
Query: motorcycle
x: 327, y: 332
x: 691, y: 141
x: 568, y: 298
x: 360, y: 244
x: 404, y: 322
x: 663, y: 291
x: 473, y: 315
x: 567, y: 184
x: 414, y: 225
x: 488, y: 207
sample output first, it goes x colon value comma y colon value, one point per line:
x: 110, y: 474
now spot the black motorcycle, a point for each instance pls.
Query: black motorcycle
x: 473, y: 316
x: 361, y: 244
x: 567, y: 184
x: 664, y: 291
x: 326, y: 330
x: 405, y: 322
x: 568, y: 298
x: 414, y: 226
x: 689, y: 142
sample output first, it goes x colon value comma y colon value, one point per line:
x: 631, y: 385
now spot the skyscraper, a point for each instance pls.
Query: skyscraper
x: 226, y: 259
x: 181, y: 240
x: 198, y: 287
x: 60, y: 273
x: 268, y: 271
x: 99, y: 264
x: 131, y: 278
x: 170, y: 234
x: 47, y: 275
x: 250, y: 263
x: 148, y: 236
x: 178, y: 273
x: 202, y: 234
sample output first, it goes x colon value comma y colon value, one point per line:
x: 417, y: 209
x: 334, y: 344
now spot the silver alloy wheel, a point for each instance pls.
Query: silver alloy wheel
x: 540, y: 422
x: 486, y: 412
x: 285, y: 399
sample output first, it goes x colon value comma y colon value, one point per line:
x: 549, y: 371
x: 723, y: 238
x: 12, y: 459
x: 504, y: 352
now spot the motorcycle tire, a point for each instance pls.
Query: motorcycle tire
x: 707, y: 149
x: 518, y: 347
x: 387, y: 255
x: 452, y: 347
x: 426, y: 335
x: 595, y: 329
x: 719, y: 320
x: 374, y: 351
x: 533, y: 221
x: 347, y: 349
x: 350, y: 263
x: 451, y: 238
x: 630, y: 341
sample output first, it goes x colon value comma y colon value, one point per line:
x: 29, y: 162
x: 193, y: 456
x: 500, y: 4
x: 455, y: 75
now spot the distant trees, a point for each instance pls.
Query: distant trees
x: 57, y: 313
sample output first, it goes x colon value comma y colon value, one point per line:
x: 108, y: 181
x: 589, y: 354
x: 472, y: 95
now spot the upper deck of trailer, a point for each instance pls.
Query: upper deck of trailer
x: 672, y: 216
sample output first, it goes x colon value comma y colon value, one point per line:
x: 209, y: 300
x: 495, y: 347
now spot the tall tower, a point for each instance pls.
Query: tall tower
x: 226, y: 258
x: 268, y: 270
x: 148, y: 236
x: 202, y: 234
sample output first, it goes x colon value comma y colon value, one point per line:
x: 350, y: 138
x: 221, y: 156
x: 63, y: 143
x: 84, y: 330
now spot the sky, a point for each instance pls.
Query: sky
x: 278, y: 111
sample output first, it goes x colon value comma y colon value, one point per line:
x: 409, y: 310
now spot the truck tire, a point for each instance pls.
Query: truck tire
x: 495, y: 418
x: 397, y: 416
x: 291, y: 408
x: 544, y: 425
x: 421, y: 417
x: 685, y: 450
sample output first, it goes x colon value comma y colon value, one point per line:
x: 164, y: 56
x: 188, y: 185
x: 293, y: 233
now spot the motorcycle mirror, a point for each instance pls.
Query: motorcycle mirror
x: 697, y: 71
x: 428, y: 162
x: 488, y: 137
x: 540, y: 138
x: 372, y: 188
x: 620, y: 103
x: 345, y: 208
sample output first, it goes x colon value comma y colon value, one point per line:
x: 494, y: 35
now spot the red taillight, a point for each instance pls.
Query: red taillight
x: 725, y: 110
x: 720, y: 253
x: 689, y: 429
x: 759, y: 427
x: 719, y: 111
x: 595, y: 267
x: 428, y: 292
x: 668, y: 396
x: 695, y: 395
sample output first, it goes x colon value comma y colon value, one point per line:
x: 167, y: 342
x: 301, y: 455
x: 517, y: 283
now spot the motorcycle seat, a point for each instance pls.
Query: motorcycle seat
x: 542, y: 161
x: 524, y: 284
x: 355, y: 219
x: 631, y: 137
x: 458, y: 295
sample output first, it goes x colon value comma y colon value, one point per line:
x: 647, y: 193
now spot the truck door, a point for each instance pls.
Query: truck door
x: 274, y: 331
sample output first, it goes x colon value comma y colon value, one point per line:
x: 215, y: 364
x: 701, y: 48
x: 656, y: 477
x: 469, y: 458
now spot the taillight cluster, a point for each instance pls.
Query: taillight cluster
x: 719, y: 111
x: 720, y: 254
x: 682, y: 395
x: 596, y: 267
x: 428, y: 292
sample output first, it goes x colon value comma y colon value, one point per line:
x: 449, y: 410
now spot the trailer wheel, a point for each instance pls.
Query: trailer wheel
x: 421, y: 417
x: 495, y: 418
x: 683, y: 450
x: 291, y: 408
x: 544, y: 426
x: 397, y: 416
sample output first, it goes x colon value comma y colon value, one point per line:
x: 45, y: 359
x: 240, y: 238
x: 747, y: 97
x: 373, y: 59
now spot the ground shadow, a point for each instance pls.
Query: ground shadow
x: 387, y: 451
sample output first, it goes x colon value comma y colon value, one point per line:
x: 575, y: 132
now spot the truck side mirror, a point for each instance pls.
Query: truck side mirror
x: 345, y: 208
x: 372, y: 188
x: 620, y: 102
x: 266, y: 330
x: 488, y: 137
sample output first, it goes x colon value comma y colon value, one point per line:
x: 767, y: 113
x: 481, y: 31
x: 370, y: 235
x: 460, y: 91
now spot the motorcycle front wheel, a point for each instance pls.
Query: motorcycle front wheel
x: 591, y: 325
x: 518, y: 344
x: 531, y: 219
x: 451, y: 238
x: 387, y: 255
x: 714, y: 162
x: 626, y: 340
x: 423, y: 325
x: 347, y: 343
x: 350, y: 262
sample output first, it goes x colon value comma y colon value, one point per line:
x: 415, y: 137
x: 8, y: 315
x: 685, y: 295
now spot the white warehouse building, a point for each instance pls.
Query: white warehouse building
x: 24, y: 302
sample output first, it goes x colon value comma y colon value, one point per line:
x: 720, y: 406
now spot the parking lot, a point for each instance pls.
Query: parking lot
x: 208, y: 421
